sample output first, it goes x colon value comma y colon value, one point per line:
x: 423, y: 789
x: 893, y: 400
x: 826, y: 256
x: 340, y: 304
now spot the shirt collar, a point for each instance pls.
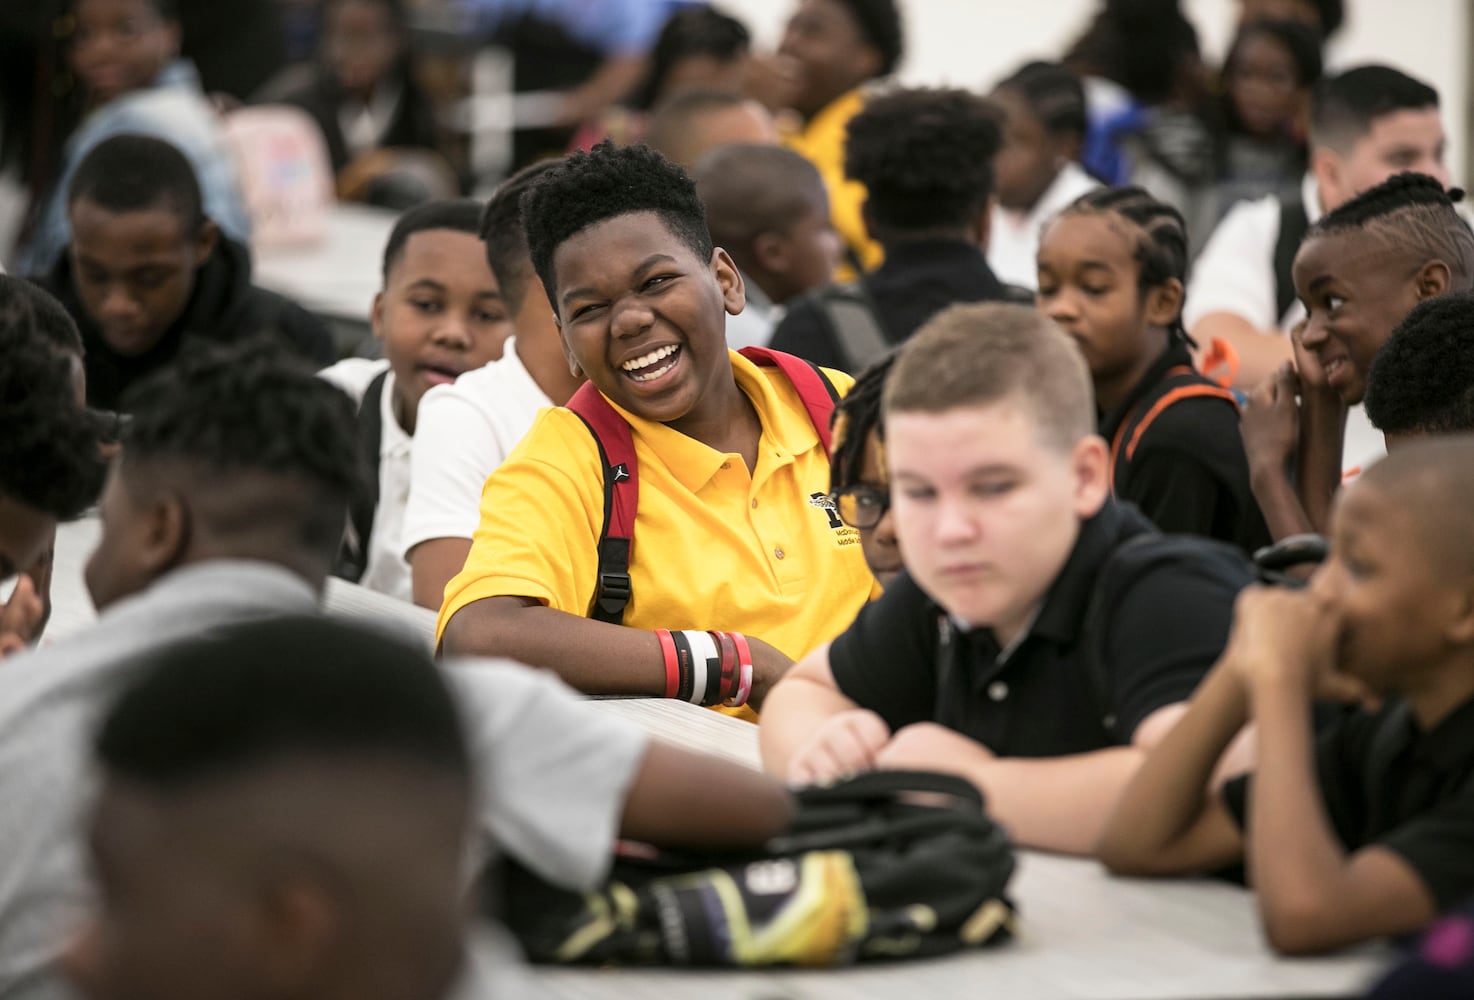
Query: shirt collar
x: 786, y: 429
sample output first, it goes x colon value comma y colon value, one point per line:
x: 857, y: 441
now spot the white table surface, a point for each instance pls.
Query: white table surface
x: 1083, y: 935
x: 338, y: 276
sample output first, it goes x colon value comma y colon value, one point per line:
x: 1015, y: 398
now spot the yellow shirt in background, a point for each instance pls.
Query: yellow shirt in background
x: 822, y: 142
x: 713, y: 547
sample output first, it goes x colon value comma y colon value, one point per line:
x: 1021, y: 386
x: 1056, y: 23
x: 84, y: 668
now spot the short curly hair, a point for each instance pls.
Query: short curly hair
x: 49, y: 459
x: 1422, y: 380
x: 880, y: 23
x: 925, y: 156
x: 252, y: 408
x: 609, y: 181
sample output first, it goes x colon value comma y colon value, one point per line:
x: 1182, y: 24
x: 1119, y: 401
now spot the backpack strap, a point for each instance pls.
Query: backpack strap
x: 353, y: 553
x: 622, y: 471
x: 854, y: 324
x: 1294, y: 224
x: 621, y: 499
x: 1131, y: 430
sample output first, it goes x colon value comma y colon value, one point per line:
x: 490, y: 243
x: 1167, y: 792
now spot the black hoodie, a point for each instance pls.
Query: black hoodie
x: 223, y: 308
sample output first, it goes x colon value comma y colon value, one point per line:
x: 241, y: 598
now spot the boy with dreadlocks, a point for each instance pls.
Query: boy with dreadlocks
x: 1361, y: 269
x: 734, y: 530
x: 857, y: 479
x: 1111, y: 271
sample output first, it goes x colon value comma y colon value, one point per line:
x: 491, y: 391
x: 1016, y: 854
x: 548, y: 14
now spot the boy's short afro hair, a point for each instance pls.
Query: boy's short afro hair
x: 880, y: 23
x: 1422, y: 380
x: 606, y: 182
x: 925, y: 156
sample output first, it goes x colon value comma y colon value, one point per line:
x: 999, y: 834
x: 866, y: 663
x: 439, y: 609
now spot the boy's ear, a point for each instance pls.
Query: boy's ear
x: 574, y: 368
x: 376, y: 315
x: 1091, y: 460
x: 729, y: 280
x: 165, y: 531
x: 296, y: 923
x: 1164, y: 302
x: 1433, y: 279
x: 206, y: 238
x: 1326, y: 165
x: 772, y: 251
x: 980, y: 227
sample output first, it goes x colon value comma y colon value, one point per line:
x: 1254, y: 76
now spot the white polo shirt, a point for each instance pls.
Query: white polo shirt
x: 462, y: 433
x: 386, y: 570
x: 1013, y: 237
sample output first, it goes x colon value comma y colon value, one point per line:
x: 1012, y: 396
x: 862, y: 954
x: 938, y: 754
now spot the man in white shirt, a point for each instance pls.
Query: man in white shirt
x: 465, y: 430
x: 1367, y: 124
x: 440, y: 315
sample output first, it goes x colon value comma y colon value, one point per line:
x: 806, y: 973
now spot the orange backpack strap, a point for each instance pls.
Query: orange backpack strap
x: 622, y: 472
x: 1129, y: 434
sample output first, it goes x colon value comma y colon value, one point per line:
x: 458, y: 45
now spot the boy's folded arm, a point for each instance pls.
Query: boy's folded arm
x: 1313, y: 895
x: 594, y: 657
x: 798, y: 705
x: 1167, y: 821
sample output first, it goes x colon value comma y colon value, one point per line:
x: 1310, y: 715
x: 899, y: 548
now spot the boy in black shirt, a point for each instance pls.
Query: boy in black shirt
x: 1364, y: 830
x: 1028, y: 624
x: 147, y: 273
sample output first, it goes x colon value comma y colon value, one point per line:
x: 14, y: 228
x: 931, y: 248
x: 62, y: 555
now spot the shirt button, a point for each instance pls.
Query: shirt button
x: 998, y: 690
x: 778, y: 553
x: 726, y: 465
x: 754, y: 504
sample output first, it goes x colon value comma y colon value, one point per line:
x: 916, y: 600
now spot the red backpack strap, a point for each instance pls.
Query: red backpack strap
x: 814, y: 388
x: 621, y: 500
x: 1129, y: 434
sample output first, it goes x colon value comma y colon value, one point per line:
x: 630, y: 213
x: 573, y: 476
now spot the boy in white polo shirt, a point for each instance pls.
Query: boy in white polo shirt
x: 465, y: 430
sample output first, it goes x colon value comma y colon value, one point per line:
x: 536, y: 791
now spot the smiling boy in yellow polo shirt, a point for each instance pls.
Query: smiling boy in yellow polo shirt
x: 732, y: 534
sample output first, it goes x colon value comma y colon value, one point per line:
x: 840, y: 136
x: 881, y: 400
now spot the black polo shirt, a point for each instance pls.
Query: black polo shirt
x: 1385, y: 782
x: 1064, y: 688
x: 1187, y: 470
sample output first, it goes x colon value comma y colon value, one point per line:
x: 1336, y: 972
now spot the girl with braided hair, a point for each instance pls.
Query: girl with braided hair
x: 1111, y: 272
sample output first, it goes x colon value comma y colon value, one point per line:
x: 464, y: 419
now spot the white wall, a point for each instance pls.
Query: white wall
x: 972, y: 43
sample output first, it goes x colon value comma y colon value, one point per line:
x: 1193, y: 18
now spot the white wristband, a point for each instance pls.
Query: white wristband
x: 704, y: 656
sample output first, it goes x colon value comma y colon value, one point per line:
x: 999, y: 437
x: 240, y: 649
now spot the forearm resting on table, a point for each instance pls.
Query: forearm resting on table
x: 685, y: 799
x: 1168, y: 821
x: 432, y: 564
x: 796, y: 707
x: 1260, y: 352
x: 594, y: 657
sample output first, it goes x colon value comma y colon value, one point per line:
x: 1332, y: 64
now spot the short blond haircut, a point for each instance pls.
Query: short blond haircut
x: 979, y: 355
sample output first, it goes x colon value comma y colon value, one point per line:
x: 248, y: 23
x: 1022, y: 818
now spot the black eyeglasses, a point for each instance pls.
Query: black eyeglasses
x: 862, y: 506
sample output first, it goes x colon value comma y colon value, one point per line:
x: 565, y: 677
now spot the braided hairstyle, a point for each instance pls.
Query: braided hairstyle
x: 1410, y: 214
x: 1422, y: 380
x: 1161, y: 250
x: 1055, y: 94
x: 855, y: 416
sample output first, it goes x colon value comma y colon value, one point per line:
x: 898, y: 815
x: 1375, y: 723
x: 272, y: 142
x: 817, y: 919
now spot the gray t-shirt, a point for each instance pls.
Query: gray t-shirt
x: 552, y: 772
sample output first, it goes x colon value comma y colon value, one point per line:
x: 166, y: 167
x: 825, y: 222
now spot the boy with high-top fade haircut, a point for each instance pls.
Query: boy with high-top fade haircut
x: 1040, y: 638
x: 1363, y: 829
x: 1360, y: 270
x: 1422, y: 380
x: 733, y: 531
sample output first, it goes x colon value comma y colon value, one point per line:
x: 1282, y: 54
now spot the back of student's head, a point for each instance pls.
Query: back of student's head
x: 505, y: 236
x: 607, y: 182
x: 265, y: 451
x: 1412, y: 216
x: 1054, y: 93
x: 687, y: 125
x: 462, y: 215
x: 979, y: 355
x: 1422, y: 381
x: 132, y: 173
x: 295, y: 761
x: 48, y: 451
x: 925, y: 157
x: 1430, y: 481
x: 1145, y: 46
x: 751, y: 188
x: 692, y: 33
x: 1344, y: 106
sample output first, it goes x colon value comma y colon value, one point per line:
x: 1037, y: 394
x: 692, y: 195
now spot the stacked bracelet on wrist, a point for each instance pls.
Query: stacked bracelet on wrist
x: 706, y: 668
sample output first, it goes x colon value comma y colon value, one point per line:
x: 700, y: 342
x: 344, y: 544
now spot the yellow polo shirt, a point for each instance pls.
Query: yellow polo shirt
x: 713, y: 547
x: 822, y: 143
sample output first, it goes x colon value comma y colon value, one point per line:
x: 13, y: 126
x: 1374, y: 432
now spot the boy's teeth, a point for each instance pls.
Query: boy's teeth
x: 635, y: 364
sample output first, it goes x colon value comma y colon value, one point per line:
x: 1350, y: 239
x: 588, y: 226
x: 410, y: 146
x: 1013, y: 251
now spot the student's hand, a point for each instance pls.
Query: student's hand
x: 768, y: 668
x: 21, y: 617
x: 930, y: 746
x: 844, y: 744
x: 1312, y: 375
x: 1270, y: 421
x: 1288, y: 637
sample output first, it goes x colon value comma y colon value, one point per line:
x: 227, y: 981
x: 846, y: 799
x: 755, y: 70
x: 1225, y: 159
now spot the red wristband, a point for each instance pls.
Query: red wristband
x: 744, y: 671
x: 730, y: 670
x: 672, y: 671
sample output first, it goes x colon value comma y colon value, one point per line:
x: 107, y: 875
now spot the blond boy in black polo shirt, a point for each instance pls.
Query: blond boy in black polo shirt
x: 1367, y: 830
x: 1031, y: 646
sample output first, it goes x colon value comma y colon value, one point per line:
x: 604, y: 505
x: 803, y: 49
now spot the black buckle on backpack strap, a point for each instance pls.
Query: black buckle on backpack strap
x: 613, y: 593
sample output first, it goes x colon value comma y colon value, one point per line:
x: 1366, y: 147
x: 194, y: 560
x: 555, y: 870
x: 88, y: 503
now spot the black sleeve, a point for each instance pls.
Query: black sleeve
x: 1180, y: 494
x: 1168, y: 627
x: 803, y: 331
x: 306, y: 335
x: 886, y: 660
